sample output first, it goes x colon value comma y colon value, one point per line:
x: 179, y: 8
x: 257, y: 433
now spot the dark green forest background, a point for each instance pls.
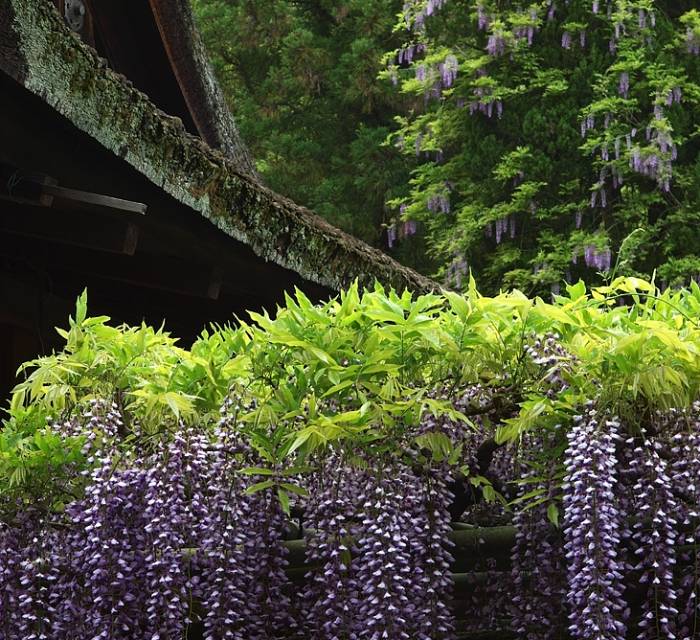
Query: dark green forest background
x: 302, y: 81
x: 528, y: 143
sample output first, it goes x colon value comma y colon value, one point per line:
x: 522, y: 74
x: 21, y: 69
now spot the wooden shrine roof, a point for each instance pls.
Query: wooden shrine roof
x: 40, y: 53
x: 155, y: 44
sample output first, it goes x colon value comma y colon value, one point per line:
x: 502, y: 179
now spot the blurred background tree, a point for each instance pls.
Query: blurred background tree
x: 531, y: 142
x: 302, y: 78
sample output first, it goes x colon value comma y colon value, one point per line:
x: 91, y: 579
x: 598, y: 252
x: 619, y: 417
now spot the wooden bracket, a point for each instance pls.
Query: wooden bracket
x: 35, y: 201
x: 38, y: 188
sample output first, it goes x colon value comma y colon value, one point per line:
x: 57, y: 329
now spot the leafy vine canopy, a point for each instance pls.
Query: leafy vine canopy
x: 392, y: 436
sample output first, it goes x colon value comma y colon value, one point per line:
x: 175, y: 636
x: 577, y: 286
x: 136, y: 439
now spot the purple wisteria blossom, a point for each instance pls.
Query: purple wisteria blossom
x: 685, y: 471
x: 501, y: 225
x: 407, y: 53
x: 403, y: 562
x: 418, y: 143
x: 456, y: 271
x: 496, y: 44
x: 482, y: 18
x: 587, y: 124
x: 624, y: 84
x: 415, y: 12
x: 332, y: 589
x: 527, y: 31
x: 656, y: 159
x: 546, y: 352
x: 595, y: 258
x: 391, y: 236
x: 538, y: 574
x: 484, y: 101
x: 448, y: 71
x: 654, y: 538
x: 438, y: 203
x: 433, y: 591
x: 619, y: 28
x: 112, y: 566
x: 504, y: 226
x: 434, y: 5
x: 674, y: 96
x: 241, y: 557
x: 642, y: 18
x: 487, y: 108
x: 592, y: 529
x: 410, y: 228
x: 26, y: 558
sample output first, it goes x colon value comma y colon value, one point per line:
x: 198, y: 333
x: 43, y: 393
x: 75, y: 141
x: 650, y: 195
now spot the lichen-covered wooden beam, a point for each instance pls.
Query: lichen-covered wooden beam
x: 40, y: 53
x: 201, y: 91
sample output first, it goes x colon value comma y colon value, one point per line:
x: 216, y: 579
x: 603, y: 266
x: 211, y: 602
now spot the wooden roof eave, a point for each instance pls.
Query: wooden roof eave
x: 200, y: 89
x: 41, y: 54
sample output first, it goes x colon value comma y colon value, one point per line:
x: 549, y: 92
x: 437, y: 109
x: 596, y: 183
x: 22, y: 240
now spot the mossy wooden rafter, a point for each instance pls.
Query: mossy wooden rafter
x: 40, y: 53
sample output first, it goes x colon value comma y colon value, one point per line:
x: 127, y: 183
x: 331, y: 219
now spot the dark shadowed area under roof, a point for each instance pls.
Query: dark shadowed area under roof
x: 102, y: 189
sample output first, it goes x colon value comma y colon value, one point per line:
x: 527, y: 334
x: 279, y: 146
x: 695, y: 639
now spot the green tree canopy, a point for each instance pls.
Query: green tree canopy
x: 529, y: 142
x: 302, y: 80
x: 555, y: 139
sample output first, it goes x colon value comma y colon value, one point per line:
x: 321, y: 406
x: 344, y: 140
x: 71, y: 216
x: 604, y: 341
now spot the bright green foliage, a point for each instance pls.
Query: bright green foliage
x: 139, y: 368
x: 624, y: 73
x: 301, y: 78
x: 356, y: 370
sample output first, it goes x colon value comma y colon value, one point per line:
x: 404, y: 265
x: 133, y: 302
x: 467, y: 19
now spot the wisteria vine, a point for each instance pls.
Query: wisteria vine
x: 185, y: 536
x: 485, y: 70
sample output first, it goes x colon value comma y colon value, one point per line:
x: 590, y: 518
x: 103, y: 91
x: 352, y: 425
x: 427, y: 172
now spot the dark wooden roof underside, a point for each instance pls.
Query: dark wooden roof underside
x: 153, y: 159
x: 155, y: 44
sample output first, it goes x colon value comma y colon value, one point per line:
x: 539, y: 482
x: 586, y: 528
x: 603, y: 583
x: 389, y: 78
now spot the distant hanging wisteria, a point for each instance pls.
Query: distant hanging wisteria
x: 438, y: 203
x: 527, y: 76
x: 599, y: 259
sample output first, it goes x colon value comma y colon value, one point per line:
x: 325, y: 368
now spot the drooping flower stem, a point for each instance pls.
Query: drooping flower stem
x: 592, y: 526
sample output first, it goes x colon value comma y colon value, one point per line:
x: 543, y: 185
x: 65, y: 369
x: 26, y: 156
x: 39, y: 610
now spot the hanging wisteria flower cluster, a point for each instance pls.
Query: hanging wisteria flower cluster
x: 520, y: 75
x: 184, y: 534
x: 594, y: 257
x: 592, y: 527
x: 157, y: 531
x: 501, y: 227
x: 438, y: 203
x: 399, y: 231
x: 538, y: 572
x: 654, y: 538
